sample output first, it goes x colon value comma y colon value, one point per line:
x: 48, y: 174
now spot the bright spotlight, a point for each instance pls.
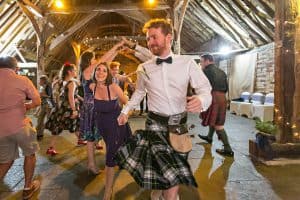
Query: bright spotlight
x: 225, y: 50
x: 59, y: 4
x: 151, y: 2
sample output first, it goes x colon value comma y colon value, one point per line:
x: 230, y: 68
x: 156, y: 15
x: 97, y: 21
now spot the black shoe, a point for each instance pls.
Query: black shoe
x: 225, y: 152
x: 207, y: 139
x: 39, y: 137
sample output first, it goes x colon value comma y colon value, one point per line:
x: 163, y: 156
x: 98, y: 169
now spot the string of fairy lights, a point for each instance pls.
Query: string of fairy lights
x: 293, y: 126
x: 280, y: 119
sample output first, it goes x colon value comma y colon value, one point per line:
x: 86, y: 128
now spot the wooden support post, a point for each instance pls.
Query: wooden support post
x: 287, y: 70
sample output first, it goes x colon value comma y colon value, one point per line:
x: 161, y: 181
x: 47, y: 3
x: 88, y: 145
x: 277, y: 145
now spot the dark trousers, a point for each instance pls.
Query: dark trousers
x: 44, y: 112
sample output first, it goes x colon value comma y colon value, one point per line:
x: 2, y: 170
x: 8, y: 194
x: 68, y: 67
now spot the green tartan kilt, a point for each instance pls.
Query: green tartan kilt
x: 152, y: 162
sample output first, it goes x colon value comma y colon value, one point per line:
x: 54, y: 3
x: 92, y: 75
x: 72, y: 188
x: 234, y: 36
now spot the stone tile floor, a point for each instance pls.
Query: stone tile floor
x: 65, y: 176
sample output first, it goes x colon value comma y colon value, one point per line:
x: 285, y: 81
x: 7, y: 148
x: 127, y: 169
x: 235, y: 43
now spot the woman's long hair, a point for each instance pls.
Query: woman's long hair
x: 109, y: 77
x: 65, y: 69
x: 85, y: 62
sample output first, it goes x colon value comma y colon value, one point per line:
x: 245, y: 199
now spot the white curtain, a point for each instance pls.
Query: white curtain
x: 242, y: 74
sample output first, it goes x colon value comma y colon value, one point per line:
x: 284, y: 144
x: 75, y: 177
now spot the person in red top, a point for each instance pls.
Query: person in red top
x: 15, y: 129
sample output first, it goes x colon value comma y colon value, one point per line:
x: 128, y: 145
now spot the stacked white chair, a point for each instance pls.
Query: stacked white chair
x: 235, y: 105
x: 266, y: 111
x: 247, y: 107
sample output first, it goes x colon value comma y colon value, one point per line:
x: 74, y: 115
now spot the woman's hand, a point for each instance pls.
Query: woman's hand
x: 74, y: 114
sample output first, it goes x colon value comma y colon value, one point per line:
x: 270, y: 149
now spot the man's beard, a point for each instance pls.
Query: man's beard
x: 157, y: 50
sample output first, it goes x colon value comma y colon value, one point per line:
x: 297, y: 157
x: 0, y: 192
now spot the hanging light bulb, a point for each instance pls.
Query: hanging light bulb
x: 58, y: 4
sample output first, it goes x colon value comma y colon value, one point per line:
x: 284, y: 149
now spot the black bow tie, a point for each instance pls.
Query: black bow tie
x: 167, y: 60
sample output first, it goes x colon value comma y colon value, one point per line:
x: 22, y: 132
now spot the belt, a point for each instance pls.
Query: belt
x: 166, y: 119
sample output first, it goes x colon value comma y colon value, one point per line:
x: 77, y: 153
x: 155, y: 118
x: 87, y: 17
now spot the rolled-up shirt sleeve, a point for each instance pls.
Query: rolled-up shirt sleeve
x: 143, y: 53
x: 201, y: 85
x: 140, y: 91
x: 30, y: 90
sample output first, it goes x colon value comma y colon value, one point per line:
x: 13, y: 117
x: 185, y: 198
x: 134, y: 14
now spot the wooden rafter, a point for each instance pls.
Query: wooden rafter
x: 178, y: 21
x: 259, y: 14
x: 215, y: 25
x: 31, y: 19
x: 266, y: 7
x: 37, y: 11
x: 10, y: 7
x: 13, y: 35
x: 197, y: 41
x: 71, y: 31
x: 114, y: 7
x: 254, y: 21
x: 137, y: 15
x: 236, y: 19
x: 235, y: 32
x: 193, y: 34
x: 9, y: 21
x: 244, y: 23
x: 205, y: 36
x: 247, y: 18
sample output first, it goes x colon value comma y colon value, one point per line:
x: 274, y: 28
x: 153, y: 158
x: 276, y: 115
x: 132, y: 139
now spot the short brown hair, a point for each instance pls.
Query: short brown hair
x: 8, y: 62
x: 164, y: 24
x: 44, y: 78
x: 208, y: 57
x: 114, y: 64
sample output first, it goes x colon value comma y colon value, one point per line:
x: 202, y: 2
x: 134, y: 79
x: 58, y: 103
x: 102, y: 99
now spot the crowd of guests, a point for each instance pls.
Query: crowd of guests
x: 91, y: 108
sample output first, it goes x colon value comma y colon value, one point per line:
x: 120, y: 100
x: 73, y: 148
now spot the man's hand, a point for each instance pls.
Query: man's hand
x: 122, y: 119
x: 194, y: 104
x: 28, y: 106
x: 128, y: 42
x: 127, y: 50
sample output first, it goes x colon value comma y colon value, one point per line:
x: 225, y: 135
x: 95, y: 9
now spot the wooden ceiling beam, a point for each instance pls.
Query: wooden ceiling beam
x: 259, y: 14
x: 241, y: 22
x: 178, y: 21
x: 207, y: 31
x: 31, y: 19
x: 5, y: 25
x: 261, y: 34
x: 194, y: 43
x: 11, y: 39
x: 231, y: 28
x: 266, y: 7
x: 198, y: 33
x: 253, y: 20
x: 8, y: 9
x: 209, y: 20
x: 62, y: 37
x: 136, y: 15
x: 33, y: 8
x: 192, y: 17
x: 114, y: 7
x: 195, y: 36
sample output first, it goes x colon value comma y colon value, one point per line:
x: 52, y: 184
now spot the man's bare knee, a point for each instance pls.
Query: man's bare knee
x: 218, y: 128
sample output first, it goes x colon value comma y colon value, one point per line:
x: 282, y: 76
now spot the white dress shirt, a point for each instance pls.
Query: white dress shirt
x: 167, y: 84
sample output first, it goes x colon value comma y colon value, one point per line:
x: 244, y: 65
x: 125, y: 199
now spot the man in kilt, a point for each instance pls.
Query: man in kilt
x: 214, y: 117
x: 148, y: 156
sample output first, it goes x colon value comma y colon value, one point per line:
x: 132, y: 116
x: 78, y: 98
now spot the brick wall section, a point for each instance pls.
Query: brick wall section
x: 264, y: 72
